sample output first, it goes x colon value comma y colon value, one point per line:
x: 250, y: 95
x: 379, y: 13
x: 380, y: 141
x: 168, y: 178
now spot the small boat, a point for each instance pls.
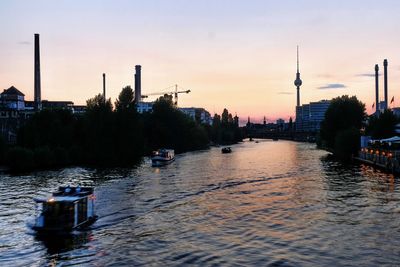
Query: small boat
x: 275, y: 139
x: 68, y: 209
x: 162, y: 157
x: 226, y: 150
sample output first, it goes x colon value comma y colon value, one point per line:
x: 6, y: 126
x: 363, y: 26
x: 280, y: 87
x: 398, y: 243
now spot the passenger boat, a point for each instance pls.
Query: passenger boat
x: 226, y: 150
x: 162, y: 157
x: 68, y: 209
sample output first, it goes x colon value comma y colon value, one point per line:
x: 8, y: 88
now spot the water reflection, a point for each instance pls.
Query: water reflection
x: 270, y: 204
x: 56, y: 244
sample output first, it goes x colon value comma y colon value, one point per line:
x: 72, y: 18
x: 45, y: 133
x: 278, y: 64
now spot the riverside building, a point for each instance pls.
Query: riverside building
x: 309, y: 116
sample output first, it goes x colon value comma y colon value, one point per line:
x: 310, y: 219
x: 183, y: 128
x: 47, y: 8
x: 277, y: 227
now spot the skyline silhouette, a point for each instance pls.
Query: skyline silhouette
x: 230, y: 54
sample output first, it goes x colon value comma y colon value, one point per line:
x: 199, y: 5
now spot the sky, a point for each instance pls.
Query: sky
x: 234, y: 54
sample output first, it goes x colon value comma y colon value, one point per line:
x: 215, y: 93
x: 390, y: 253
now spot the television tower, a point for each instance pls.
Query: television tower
x: 298, y: 81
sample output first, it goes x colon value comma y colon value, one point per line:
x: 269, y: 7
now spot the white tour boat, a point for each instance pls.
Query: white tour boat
x: 162, y: 157
x: 68, y: 209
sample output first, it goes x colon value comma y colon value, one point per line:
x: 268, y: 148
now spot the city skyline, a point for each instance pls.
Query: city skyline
x: 229, y: 54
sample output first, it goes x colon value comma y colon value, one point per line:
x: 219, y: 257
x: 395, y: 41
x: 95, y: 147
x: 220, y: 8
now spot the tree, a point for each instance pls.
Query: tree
x: 225, y: 130
x: 347, y: 143
x: 98, y: 131
x: 343, y: 113
x: 97, y: 103
x: 125, y: 99
x: 383, y: 126
x: 128, y: 129
x: 225, y: 117
x: 168, y: 127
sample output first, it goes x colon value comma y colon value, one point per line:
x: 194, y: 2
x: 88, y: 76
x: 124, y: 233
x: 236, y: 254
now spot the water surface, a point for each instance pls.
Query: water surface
x: 265, y: 204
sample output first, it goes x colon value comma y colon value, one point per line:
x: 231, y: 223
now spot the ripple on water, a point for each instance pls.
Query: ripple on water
x: 266, y: 204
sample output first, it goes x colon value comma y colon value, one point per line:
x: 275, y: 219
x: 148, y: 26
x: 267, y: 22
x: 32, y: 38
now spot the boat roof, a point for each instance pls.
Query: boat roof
x: 58, y: 199
x: 73, y: 191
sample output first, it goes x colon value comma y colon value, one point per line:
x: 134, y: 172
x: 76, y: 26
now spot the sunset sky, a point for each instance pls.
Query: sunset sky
x: 235, y: 54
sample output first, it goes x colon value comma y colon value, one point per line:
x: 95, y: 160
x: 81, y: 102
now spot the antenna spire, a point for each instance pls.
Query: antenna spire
x: 298, y: 81
x: 297, y: 58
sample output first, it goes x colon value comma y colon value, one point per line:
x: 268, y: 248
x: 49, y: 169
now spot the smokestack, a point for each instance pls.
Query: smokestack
x: 385, y: 83
x: 138, y: 84
x: 37, y: 92
x: 104, y: 87
x: 377, y: 89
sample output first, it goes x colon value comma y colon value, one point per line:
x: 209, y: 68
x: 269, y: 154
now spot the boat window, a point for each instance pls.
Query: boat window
x: 58, y: 214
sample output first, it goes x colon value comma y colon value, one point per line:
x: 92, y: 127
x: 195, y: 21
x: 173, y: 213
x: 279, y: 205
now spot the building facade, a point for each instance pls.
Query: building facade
x: 14, y: 110
x: 198, y: 114
x: 309, y: 116
x: 143, y: 107
x: 12, y: 98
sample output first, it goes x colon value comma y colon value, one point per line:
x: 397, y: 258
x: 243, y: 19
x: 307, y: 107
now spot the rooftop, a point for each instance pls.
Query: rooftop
x: 12, y: 91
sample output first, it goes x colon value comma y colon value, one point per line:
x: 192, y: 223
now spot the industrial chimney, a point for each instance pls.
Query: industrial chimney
x: 138, y: 84
x: 385, y: 82
x: 376, y: 89
x: 37, y: 92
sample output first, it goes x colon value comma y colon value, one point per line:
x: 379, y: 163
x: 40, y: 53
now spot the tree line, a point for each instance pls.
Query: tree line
x: 110, y: 135
x: 346, y: 120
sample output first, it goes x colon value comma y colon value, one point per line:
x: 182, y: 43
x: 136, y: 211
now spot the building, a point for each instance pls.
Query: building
x: 143, y: 107
x: 12, y: 98
x: 198, y: 114
x: 309, y: 116
x: 78, y: 109
x: 280, y: 125
x: 14, y: 110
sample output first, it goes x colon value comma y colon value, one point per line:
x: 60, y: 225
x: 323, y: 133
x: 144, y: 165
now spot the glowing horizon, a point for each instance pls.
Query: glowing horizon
x: 230, y: 54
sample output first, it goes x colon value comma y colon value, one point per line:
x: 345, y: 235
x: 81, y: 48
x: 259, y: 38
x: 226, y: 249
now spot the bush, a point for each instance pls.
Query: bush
x: 347, y: 143
x: 61, y: 157
x: 20, y: 159
x: 3, y: 148
x: 43, y: 157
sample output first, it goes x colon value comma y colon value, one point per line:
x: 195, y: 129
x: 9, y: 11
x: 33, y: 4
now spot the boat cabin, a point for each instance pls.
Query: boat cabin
x: 226, y: 150
x: 67, y: 209
x: 162, y: 157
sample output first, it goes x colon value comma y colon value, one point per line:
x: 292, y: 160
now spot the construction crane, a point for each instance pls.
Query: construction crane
x: 174, y: 93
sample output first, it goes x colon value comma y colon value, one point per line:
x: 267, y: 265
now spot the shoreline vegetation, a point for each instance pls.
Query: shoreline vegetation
x: 346, y: 121
x: 109, y: 135
x: 341, y: 128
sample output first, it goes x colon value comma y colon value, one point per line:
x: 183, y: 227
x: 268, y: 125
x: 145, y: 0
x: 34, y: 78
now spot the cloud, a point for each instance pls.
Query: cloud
x: 24, y: 43
x: 285, y: 93
x: 325, y: 76
x: 367, y: 74
x: 332, y: 86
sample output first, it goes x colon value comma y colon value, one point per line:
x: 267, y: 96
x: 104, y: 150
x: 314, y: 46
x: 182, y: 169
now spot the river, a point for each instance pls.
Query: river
x: 265, y: 204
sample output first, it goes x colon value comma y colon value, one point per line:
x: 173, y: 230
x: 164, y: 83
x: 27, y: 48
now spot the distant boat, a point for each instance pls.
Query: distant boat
x: 251, y: 139
x: 226, y: 150
x: 162, y: 157
x: 275, y: 139
x: 67, y: 209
